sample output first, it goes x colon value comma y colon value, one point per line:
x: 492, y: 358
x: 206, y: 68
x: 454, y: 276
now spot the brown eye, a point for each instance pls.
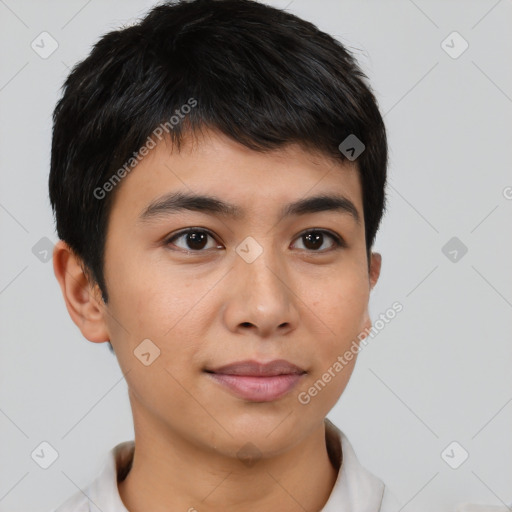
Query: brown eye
x: 314, y: 239
x: 192, y: 239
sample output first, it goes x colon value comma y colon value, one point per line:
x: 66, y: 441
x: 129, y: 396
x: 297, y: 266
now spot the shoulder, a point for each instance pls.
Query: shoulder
x: 102, y: 494
x: 356, y: 484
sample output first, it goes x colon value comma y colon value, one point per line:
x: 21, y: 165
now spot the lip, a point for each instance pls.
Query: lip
x: 258, y: 382
x: 257, y: 369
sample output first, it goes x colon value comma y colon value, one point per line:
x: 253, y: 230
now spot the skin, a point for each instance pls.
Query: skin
x: 210, y: 308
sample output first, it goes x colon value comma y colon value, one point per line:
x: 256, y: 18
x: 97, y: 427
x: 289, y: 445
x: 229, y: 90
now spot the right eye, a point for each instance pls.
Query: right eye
x: 195, y: 239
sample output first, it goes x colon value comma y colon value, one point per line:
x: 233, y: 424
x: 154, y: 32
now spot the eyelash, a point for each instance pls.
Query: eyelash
x: 339, y: 243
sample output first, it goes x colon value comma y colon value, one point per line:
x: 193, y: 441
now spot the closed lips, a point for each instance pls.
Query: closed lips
x: 258, y: 369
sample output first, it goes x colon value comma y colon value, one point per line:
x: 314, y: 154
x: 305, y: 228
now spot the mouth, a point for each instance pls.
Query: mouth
x: 258, y: 382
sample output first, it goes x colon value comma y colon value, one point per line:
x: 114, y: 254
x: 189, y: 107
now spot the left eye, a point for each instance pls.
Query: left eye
x: 314, y: 239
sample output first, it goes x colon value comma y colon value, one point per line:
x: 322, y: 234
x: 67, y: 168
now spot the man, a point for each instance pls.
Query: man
x: 217, y: 176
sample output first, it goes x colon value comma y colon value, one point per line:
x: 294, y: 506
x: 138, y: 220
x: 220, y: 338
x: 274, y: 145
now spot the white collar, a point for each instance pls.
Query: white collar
x: 355, y: 489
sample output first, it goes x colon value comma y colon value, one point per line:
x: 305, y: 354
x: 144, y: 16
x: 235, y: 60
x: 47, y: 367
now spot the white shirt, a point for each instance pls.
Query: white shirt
x: 355, y: 489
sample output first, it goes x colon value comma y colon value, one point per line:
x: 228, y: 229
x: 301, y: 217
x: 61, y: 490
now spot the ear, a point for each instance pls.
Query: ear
x: 374, y: 273
x: 375, y: 265
x: 83, y: 300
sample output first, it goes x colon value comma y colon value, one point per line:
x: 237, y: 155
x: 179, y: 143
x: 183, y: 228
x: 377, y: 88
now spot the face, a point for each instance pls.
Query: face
x: 209, y: 287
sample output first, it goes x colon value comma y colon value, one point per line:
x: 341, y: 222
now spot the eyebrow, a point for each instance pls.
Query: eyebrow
x: 175, y: 202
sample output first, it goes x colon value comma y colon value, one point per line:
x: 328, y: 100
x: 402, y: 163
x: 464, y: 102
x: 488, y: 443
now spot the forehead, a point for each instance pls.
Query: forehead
x: 215, y: 165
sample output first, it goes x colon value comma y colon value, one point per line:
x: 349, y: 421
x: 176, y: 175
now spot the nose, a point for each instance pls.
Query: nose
x: 261, y: 297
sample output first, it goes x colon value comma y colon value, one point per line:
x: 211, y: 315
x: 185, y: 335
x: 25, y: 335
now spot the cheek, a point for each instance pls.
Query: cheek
x: 167, y: 311
x: 327, y: 382
x: 167, y: 306
x: 147, y: 296
x: 339, y: 311
x: 339, y: 307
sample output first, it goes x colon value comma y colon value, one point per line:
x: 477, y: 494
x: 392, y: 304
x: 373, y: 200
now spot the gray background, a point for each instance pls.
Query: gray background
x: 439, y: 372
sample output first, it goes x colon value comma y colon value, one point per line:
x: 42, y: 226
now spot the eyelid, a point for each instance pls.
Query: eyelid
x: 339, y: 241
x: 184, y: 231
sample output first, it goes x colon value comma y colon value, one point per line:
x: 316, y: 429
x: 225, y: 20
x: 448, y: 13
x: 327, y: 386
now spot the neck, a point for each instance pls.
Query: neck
x: 169, y: 473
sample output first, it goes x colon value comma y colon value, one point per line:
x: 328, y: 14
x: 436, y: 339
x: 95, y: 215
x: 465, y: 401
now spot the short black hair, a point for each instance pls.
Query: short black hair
x: 261, y: 75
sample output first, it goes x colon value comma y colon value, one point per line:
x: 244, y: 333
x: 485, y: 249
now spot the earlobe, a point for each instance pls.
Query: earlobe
x: 80, y: 296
